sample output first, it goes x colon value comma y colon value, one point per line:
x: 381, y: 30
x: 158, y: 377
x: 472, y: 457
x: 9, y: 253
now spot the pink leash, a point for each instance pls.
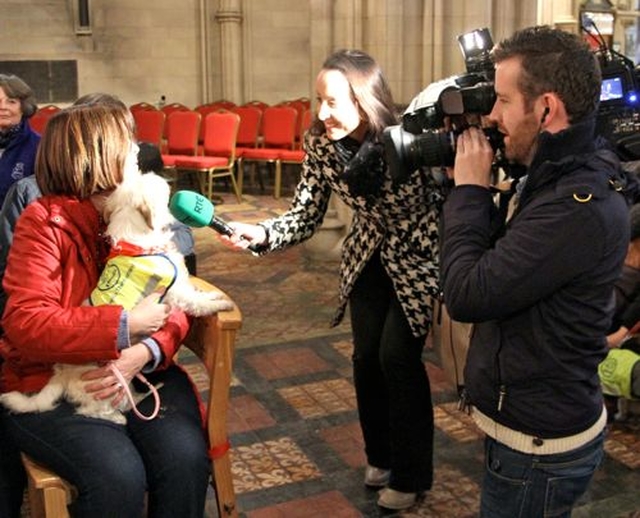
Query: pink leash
x: 125, y: 386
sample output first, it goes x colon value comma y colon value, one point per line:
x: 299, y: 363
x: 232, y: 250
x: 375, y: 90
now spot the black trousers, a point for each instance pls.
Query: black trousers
x: 392, y: 386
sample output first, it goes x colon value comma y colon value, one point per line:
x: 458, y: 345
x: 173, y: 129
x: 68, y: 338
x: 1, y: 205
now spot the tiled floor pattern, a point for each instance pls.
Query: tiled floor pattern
x: 297, y: 446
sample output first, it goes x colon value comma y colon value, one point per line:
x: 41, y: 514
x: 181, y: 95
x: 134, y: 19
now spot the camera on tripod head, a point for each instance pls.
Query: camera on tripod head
x: 618, y: 117
x: 422, y: 139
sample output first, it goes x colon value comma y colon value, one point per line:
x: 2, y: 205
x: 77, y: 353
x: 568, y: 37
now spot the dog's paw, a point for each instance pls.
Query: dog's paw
x: 199, y: 303
x: 213, y: 306
x: 211, y: 295
x: 206, y: 305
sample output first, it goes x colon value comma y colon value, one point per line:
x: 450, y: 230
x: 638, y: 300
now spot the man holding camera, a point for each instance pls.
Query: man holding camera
x: 540, y: 290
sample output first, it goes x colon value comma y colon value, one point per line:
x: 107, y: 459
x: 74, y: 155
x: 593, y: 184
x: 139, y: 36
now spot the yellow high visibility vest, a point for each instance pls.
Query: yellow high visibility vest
x: 126, y: 280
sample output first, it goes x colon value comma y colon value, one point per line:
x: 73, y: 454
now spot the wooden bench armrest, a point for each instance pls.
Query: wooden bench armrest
x: 212, y: 339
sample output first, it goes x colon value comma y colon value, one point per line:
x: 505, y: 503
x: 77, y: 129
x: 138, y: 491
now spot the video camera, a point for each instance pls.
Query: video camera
x: 619, y: 112
x: 421, y: 139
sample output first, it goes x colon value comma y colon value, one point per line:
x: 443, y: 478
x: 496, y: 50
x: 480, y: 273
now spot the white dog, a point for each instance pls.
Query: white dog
x: 143, y: 260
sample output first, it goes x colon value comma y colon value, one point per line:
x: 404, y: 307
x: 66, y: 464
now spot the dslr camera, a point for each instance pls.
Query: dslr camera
x: 422, y: 138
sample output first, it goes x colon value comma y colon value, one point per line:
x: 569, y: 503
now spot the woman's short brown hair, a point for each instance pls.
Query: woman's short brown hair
x: 83, y: 151
x: 16, y: 88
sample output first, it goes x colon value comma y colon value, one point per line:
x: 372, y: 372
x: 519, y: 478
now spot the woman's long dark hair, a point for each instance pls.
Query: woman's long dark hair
x: 368, y: 87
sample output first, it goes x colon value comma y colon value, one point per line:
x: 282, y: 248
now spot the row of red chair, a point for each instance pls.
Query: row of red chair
x: 300, y: 105
x: 183, y: 129
x: 282, y: 131
x: 218, y: 156
x: 264, y: 134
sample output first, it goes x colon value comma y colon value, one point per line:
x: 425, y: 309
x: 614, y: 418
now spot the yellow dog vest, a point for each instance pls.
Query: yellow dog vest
x: 127, y: 279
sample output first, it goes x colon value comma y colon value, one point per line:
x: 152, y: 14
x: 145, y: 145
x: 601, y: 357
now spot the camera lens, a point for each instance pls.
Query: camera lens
x: 406, y: 152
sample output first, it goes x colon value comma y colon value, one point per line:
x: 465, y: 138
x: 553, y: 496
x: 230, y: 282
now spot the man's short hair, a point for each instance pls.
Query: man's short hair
x: 555, y: 61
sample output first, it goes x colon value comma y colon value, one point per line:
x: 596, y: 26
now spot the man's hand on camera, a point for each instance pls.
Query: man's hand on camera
x: 474, y: 157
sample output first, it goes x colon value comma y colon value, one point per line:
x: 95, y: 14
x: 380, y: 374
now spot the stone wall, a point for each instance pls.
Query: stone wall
x: 195, y: 51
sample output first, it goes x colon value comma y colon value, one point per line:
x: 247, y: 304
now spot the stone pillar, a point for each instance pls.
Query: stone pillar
x: 326, y: 34
x: 321, y: 39
x: 347, y: 24
x: 229, y: 18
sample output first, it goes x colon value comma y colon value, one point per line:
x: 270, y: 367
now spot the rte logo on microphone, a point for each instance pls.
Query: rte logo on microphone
x: 199, y: 205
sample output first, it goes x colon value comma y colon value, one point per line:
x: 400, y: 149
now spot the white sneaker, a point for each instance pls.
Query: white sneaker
x: 376, y: 477
x: 396, y: 500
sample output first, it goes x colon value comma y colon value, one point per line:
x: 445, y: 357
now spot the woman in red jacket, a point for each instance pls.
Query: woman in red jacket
x: 54, y: 263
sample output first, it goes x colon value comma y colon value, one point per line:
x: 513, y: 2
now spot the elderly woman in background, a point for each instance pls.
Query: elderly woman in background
x: 18, y: 142
x: 18, y: 146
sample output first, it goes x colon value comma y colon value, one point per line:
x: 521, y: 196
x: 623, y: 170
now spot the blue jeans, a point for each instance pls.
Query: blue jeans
x: 518, y: 485
x: 113, y: 465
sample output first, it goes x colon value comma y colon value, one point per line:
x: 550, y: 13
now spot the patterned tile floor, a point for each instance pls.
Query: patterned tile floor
x: 297, y: 446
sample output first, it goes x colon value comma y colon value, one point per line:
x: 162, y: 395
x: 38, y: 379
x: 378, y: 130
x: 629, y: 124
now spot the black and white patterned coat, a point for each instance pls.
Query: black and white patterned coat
x: 402, y: 222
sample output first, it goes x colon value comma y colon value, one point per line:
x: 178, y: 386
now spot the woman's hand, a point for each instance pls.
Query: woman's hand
x: 147, y: 316
x: 104, y: 384
x: 244, y: 235
x: 616, y: 338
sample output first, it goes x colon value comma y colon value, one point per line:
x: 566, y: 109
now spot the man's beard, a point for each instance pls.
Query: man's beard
x: 521, y: 150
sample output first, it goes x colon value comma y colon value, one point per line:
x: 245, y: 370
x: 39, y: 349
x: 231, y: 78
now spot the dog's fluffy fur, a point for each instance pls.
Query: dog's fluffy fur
x: 137, y: 212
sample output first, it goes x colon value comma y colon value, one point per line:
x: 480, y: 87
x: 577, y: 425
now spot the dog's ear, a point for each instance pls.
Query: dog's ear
x: 147, y: 212
x: 155, y: 200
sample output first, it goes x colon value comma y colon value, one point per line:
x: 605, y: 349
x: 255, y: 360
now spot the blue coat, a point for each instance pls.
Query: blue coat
x: 18, y: 158
x: 542, y: 295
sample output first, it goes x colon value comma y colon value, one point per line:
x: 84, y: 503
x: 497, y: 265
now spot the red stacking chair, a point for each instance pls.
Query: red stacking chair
x: 279, y: 124
x: 182, y: 129
x: 141, y: 106
x: 301, y: 108
x: 250, y: 118
x: 262, y: 106
x: 149, y: 126
x: 204, y: 110
x: 168, y: 109
x: 296, y: 156
x: 38, y: 121
x: 218, y: 161
x: 222, y: 103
